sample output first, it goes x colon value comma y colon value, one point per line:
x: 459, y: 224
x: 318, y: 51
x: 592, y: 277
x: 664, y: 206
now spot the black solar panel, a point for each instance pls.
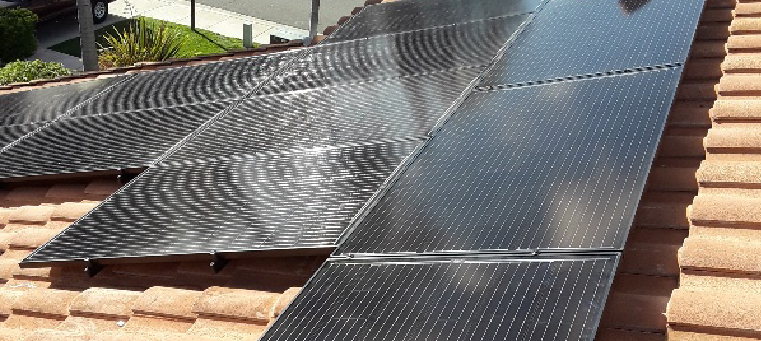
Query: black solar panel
x: 42, y: 105
x: 577, y: 37
x: 411, y: 53
x: 185, y: 85
x: 558, y: 166
x: 342, y: 115
x: 290, y: 200
x: 400, y: 16
x: 99, y: 142
x: 9, y: 134
x: 485, y: 299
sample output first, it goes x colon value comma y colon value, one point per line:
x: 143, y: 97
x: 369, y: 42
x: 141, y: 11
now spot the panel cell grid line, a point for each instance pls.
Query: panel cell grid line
x: 285, y: 201
x: 104, y: 142
x: 578, y: 37
x: 343, y: 115
x: 457, y: 299
x: 8, y: 134
x: 412, y: 53
x: 401, y: 16
x: 558, y: 166
x: 225, y: 80
x: 46, y: 104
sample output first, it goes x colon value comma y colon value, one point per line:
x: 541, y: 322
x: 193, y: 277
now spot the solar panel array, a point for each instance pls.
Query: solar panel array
x: 530, y: 129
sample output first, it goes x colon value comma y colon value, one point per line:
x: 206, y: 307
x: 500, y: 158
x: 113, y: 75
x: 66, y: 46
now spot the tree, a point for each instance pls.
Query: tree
x: 87, y: 36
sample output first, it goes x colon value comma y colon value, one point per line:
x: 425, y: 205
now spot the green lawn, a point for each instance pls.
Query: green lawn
x: 197, y: 42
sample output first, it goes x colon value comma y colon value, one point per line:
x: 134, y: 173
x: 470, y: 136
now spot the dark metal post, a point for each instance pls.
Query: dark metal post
x: 313, y: 22
x: 87, y: 36
x: 193, y: 15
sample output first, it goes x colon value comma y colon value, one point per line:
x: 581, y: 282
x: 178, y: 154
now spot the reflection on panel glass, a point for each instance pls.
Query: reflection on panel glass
x: 486, y: 299
x: 343, y: 115
x: 409, y: 15
x: 412, y: 53
x: 46, y: 104
x: 290, y: 200
x: 551, y: 166
x: 214, y: 81
x: 578, y: 37
x: 101, y: 142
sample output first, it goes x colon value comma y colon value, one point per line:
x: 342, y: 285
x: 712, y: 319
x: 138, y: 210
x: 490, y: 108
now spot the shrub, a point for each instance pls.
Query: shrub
x: 140, y: 42
x: 17, y: 39
x: 27, y: 71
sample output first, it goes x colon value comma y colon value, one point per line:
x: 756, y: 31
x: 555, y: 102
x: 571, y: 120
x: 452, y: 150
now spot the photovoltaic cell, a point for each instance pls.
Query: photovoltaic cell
x: 342, y: 115
x: 42, y: 105
x: 186, y: 85
x: 411, y: 53
x: 452, y: 299
x: 102, y: 142
x: 8, y: 134
x: 291, y: 200
x: 401, y: 16
x: 577, y: 37
x: 558, y: 166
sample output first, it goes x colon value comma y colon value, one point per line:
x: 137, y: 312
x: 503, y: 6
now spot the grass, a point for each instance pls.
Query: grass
x: 198, y: 42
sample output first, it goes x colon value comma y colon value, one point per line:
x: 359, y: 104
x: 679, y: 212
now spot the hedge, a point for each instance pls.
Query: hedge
x: 17, y: 40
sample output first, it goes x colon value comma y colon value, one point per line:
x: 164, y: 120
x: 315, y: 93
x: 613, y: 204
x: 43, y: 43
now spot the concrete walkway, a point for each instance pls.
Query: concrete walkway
x: 219, y: 21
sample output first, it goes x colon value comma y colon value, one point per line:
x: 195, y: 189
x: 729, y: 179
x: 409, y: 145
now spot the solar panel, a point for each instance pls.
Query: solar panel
x: 411, y: 53
x: 42, y: 105
x: 572, y: 37
x: 374, y: 111
x: 267, y: 202
x: 400, y: 16
x: 186, y: 85
x: 556, y: 166
x: 477, y: 298
x: 9, y: 134
x: 101, y: 142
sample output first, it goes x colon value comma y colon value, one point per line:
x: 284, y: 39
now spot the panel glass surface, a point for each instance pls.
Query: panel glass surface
x: 294, y: 200
x: 400, y: 16
x: 457, y: 299
x: 8, y: 134
x: 556, y: 166
x: 46, y: 104
x: 342, y: 115
x: 102, y: 142
x: 185, y: 85
x: 412, y: 53
x: 577, y: 37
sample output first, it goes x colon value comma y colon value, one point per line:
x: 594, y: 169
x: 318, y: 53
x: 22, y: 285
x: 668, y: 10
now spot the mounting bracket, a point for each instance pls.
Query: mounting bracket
x: 92, y: 267
x: 217, y: 262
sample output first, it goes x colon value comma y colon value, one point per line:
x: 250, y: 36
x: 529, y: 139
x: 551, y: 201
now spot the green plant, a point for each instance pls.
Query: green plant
x: 17, y: 39
x: 26, y: 71
x: 140, y: 42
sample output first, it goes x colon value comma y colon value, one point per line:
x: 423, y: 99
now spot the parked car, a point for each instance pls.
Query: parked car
x: 50, y: 9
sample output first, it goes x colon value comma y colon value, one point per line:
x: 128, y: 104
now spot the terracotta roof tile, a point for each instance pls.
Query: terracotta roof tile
x: 27, y: 193
x: 105, y: 302
x: 745, y: 26
x: 225, y: 329
x: 609, y: 334
x: 733, y: 140
x: 740, y: 43
x: 105, y: 187
x: 46, y: 301
x: 739, y: 84
x: 721, y: 309
x: 741, y: 63
x: 708, y: 49
x: 237, y: 304
x: 31, y: 214
x: 68, y: 191
x: 748, y: 9
x: 284, y: 300
x: 729, y: 110
x: 7, y: 299
x: 31, y: 238
x: 725, y: 210
x: 720, y: 281
x: 72, y: 211
x: 13, y: 334
x: 721, y: 255
x: 168, y: 302
x: 729, y: 173
x: 635, y: 312
x: 147, y: 336
x: 56, y: 335
x: 142, y: 323
x: 32, y: 321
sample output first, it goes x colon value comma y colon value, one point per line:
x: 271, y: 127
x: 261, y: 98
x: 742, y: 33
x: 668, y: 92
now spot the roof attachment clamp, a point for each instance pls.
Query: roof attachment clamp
x: 92, y: 267
x: 217, y: 263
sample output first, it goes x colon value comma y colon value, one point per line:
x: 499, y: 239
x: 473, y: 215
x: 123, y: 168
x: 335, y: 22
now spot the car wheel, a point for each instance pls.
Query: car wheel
x: 99, y: 11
